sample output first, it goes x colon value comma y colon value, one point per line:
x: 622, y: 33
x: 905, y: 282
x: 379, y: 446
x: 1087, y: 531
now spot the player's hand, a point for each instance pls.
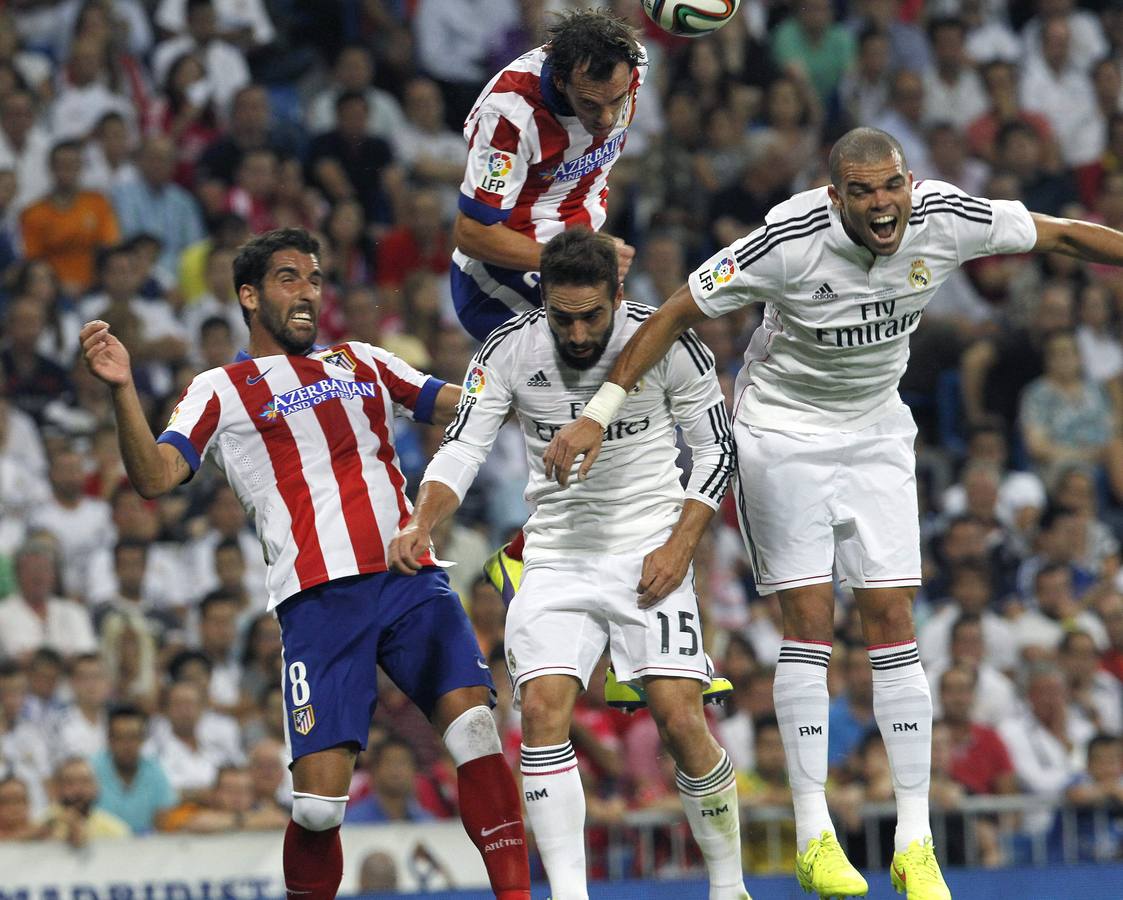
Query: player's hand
x: 664, y: 568
x: 581, y: 436
x: 625, y: 254
x: 106, y: 356
x: 407, y: 547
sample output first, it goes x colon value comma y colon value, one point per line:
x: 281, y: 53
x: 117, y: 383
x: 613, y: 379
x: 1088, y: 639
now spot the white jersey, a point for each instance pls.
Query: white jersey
x: 307, y: 444
x: 634, y: 492
x: 834, y: 341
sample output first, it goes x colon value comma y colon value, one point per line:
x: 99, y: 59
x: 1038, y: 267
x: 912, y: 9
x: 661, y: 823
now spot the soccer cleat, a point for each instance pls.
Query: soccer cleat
x: 719, y: 691
x: 623, y: 694
x: 823, y: 869
x: 916, y: 874
x: 505, y: 573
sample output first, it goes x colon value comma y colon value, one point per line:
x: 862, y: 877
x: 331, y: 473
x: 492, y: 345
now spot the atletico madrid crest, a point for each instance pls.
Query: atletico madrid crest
x: 303, y: 719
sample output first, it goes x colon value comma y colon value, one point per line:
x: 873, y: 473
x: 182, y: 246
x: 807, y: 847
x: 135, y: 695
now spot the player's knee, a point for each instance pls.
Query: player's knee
x: 544, y: 722
x: 318, y: 813
x: 681, y: 727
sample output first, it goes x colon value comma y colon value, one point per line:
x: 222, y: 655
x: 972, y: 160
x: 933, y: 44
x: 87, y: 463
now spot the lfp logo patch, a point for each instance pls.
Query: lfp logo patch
x: 498, y: 164
x: 474, y: 383
x: 724, y: 270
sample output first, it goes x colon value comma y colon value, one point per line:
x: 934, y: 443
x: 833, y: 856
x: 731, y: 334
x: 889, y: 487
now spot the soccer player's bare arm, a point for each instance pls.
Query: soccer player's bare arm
x: 154, y: 469
x: 496, y: 244
x: 435, y: 503
x: 665, y: 567
x: 444, y: 410
x: 1083, y: 240
x: 645, y: 348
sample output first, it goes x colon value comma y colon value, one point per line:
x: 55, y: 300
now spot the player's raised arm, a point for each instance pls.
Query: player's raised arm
x: 153, y: 469
x: 645, y: 348
x: 1074, y: 237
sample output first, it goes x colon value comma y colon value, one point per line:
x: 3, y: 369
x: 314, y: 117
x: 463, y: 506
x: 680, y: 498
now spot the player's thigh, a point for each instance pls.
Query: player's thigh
x: 430, y: 649
x: 784, y: 490
x: 554, y: 624
x: 329, y: 641
x: 665, y: 639
x: 879, y: 522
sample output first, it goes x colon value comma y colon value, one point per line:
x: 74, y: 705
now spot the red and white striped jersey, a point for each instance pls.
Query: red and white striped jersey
x: 531, y: 164
x: 307, y: 444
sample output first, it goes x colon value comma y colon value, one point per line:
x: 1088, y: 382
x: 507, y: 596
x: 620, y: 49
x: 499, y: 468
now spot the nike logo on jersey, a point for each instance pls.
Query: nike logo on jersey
x: 251, y: 380
x: 824, y: 292
x: 484, y: 832
x: 538, y: 379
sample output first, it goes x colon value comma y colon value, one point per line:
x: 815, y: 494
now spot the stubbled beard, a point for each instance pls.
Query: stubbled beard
x: 582, y: 363
x: 280, y: 332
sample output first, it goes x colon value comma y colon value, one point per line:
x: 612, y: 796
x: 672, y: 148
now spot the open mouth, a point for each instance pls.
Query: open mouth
x: 302, y: 317
x: 884, y: 227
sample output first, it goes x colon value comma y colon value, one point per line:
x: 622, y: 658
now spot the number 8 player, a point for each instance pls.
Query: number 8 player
x: 304, y: 435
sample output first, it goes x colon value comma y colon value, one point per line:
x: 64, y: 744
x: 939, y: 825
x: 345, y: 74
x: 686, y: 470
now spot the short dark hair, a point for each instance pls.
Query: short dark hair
x: 579, y: 256
x: 963, y: 620
x: 126, y: 711
x: 213, y: 599
x: 48, y: 655
x: 593, y: 38
x: 391, y: 740
x: 215, y: 323
x: 183, y: 659
x: 69, y: 144
x: 129, y: 544
x: 346, y: 97
x: 940, y: 22
x: 254, y: 256
x: 863, y: 145
x: 1100, y: 739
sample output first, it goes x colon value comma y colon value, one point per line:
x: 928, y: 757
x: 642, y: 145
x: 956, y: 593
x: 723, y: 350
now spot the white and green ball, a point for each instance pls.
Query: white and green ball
x: 690, y: 18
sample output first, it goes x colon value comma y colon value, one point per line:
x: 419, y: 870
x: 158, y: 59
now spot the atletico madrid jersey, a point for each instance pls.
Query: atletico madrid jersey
x: 306, y: 443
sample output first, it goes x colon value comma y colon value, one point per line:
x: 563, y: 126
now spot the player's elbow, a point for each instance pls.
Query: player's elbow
x: 468, y: 235
x: 149, y: 488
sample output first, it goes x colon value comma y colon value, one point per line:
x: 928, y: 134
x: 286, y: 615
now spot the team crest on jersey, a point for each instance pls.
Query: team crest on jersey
x: 475, y: 381
x: 341, y: 357
x: 920, y: 276
x: 724, y: 270
x: 511, y: 661
x: 303, y: 719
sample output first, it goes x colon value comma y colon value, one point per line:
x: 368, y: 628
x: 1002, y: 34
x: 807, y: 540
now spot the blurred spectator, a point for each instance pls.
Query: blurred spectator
x: 190, y: 750
x: 815, y: 45
x: 1097, y: 337
x: 661, y: 270
x: 393, y: 768
x: 186, y: 115
x: 453, y: 39
x: 950, y: 161
x: 971, y: 593
x: 230, y: 806
x: 132, y: 786
x: 254, y: 191
x: 851, y: 714
x: 245, y: 23
x: 953, y: 91
x: 32, y: 380
x: 73, y: 816
x: 218, y: 634
x: 904, y: 119
x: 378, y: 873
x: 251, y: 126
x: 220, y: 301
x: 980, y: 761
x: 24, y: 747
x: 347, y: 163
x: 1020, y: 151
x: 85, y: 92
x: 433, y: 153
x: 261, y: 658
x: 227, y: 231
x: 1041, y: 629
x: 272, y: 781
x: 908, y: 45
x: 1111, y: 612
x: 78, y: 522
x: 1098, y: 796
x: 47, y: 690
x: 152, y: 204
x: 995, y: 696
x: 354, y: 71
x: 864, y: 89
x: 767, y: 785
x: 421, y: 243
x: 36, y: 616
x: 15, y: 811
x: 225, y: 64
x: 1001, y: 81
x: 25, y: 148
x: 82, y: 728
x: 215, y: 342
x: 35, y: 279
x: 1095, y: 694
x: 1089, y: 43
x: 68, y: 226
x: 225, y: 520
x: 33, y: 67
x: 352, y: 253
x: 1056, y: 84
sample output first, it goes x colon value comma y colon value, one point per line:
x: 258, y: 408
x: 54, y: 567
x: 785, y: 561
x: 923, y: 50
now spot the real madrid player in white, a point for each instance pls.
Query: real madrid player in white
x: 607, y: 558
x: 825, y: 446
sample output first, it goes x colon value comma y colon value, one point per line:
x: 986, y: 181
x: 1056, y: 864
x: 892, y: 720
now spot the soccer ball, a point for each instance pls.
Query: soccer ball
x: 690, y: 18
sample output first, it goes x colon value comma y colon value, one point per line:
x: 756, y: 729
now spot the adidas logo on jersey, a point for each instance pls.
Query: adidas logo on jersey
x: 824, y: 292
x: 538, y: 379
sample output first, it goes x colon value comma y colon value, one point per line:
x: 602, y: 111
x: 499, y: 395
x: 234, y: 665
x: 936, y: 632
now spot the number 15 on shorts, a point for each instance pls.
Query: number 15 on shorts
x: 684, y: 628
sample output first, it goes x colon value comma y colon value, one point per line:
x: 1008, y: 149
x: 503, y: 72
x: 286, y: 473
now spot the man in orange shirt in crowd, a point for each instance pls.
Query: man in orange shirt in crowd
x: 69, y: 226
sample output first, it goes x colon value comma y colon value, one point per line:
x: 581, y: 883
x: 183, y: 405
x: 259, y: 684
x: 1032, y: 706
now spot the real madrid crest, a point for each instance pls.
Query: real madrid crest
x: 511, y: 661
x: 920, y: 276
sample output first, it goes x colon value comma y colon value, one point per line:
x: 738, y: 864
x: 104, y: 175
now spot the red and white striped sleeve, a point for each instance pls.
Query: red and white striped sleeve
x: 499, y: 154
x: 194, y: 421
x: 412, y: 391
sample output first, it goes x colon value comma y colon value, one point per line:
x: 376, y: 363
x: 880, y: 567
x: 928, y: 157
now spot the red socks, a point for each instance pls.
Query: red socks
x: 515, y: 548
x: 491, y: 811
x: 314, y: 862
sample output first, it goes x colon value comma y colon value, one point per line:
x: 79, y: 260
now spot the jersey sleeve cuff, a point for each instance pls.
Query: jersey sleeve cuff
x: 448, y: 482
x: 427, y: 400
x: 481, y: 212
x: 702, y: 498
x: 183, y: 444
x: 699, y: 298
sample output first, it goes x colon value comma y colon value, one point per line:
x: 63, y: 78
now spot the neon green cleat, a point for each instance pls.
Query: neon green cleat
x: 623, y: 695
x: 823, y: 869
x: 505, y: 573
x: 916, y: 873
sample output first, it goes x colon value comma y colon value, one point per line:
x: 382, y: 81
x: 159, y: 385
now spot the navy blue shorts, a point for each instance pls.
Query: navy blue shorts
x: 478, y: 311
x: 336, y: 634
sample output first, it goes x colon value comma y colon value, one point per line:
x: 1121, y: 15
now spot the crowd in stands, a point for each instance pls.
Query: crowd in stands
x: 141, y: 141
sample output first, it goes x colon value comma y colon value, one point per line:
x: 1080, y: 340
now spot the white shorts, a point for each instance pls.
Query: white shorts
x: 808, y: 503
x: 567, y: 611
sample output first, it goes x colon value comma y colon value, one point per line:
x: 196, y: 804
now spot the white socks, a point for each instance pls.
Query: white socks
x: 555, y: 811
x: 711, y: 809
x: 902, y: 705
x: 799, y: 692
